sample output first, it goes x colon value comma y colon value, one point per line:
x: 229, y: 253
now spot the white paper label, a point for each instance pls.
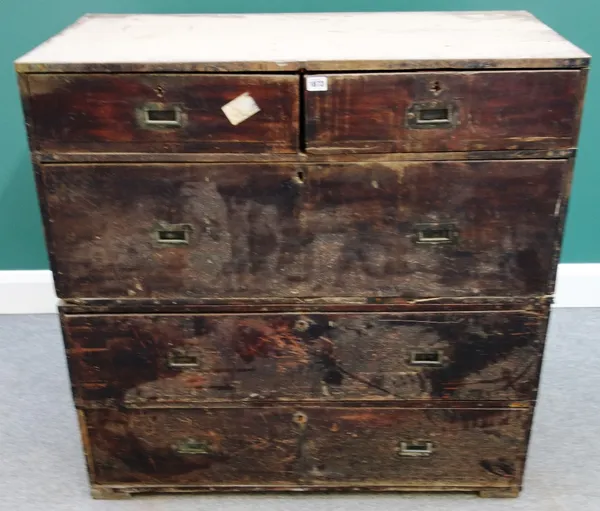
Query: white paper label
x: 316, y: 83
x: 240, y: 109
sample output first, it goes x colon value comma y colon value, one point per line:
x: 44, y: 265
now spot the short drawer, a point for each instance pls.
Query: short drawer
x: 160, y: 359
x: 163, y: 113
x: 308, y: 447
x: 443, y: 111
x: 404, y: 229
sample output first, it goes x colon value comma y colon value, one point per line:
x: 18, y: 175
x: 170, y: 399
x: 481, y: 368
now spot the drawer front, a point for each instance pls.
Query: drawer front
x: 444, y: 111
x: 417, y: 229
x: 308, y: 447
x: 149, y: 359
x: 164, y: 113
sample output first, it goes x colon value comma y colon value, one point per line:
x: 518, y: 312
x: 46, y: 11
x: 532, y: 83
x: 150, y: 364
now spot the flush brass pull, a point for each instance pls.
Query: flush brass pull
x: 192, y: 446
x: 426, y: 357
x: 435, y: 234
x: 432, y: 114
x: 179, y: 359
x: 416, y: 448
x: 160, y: 116
x: 172, y: 234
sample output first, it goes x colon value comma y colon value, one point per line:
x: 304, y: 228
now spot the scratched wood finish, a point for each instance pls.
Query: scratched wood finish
x: 491, y: 111
x: 348, y: 290
x: 326, y: 304
x: 161, y: 359
x: 303, y: 41
x: 101, y: 113
x: 307, y: 446
x: 331, y: 230
x: 300, y: 157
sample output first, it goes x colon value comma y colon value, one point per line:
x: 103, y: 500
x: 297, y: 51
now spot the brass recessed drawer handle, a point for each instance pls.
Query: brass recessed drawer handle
x: 180, y: 360
x: 175, y: 234
x: 435, y: 234
x: 160, y: 115
x: 433, y: 114
x: 192, y: 446
x: 417, y: 448
x: 426, y: 357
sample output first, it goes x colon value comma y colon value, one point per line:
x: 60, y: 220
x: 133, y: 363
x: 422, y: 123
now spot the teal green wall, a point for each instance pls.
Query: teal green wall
x: 26, y: 23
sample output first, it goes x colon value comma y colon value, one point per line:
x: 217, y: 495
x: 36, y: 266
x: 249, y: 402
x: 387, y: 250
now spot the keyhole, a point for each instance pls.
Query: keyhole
x: 300, y: 418
x: 436, y: 88
x: 159, y: 91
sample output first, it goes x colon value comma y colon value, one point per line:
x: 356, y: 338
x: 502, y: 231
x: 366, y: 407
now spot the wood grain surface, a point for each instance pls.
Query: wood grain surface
x: 501, y: 110
x: 103, y: 113
x: 307, y: 446
x: 296, y: 41
x: 331, y: 230
x: 267, y: 287
x: 158, y: 359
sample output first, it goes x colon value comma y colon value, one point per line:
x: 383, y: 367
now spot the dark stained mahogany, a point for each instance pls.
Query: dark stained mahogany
x: 101, y: 113
x: 379, y: 112
x: 307, y: 447
x: 158, y: 359
x: 327, y: 304
x: 404, y: 229
x: 348, y: 290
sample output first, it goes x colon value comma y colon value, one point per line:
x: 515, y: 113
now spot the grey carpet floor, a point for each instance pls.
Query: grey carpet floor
x: 42, y: 467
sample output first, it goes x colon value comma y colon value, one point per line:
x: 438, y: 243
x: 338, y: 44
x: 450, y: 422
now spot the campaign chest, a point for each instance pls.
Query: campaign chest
x: 304, y: 251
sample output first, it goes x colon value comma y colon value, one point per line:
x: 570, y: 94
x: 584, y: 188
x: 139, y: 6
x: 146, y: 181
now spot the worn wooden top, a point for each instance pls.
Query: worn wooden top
x: 319, y: 42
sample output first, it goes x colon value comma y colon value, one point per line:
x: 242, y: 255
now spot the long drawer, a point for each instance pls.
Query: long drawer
x: 406, y: 229
x: 307, y: 447
x: 141, y: 360
x: 443, y: 111
x: 162, y: 113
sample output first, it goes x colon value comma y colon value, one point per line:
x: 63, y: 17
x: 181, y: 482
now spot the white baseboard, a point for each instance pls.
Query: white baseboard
x: 577, y: 285
x: 27, y: 292
x: 32, y: 291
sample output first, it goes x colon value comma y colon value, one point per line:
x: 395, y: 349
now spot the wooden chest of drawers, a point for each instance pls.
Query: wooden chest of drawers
x: 304, y: 252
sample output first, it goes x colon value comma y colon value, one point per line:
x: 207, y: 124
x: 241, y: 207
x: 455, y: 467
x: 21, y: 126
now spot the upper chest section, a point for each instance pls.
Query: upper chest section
x: 305, y: 83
